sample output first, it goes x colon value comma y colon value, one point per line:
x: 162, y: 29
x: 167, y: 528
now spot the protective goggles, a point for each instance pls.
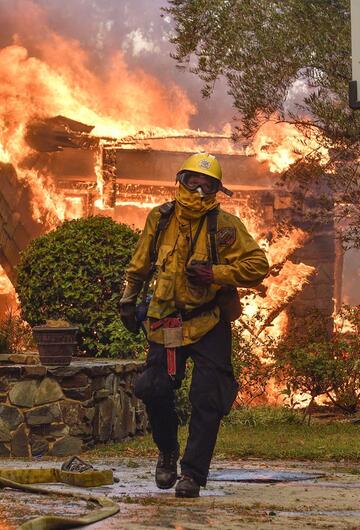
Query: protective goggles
x: 194, y: 181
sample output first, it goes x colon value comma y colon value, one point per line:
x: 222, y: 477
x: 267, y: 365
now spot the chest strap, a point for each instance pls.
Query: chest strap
x: 212, y: 217
x: 166, y: 210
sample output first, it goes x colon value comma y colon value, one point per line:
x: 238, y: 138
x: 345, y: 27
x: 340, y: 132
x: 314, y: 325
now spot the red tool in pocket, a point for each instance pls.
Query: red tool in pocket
x: 173, y: 337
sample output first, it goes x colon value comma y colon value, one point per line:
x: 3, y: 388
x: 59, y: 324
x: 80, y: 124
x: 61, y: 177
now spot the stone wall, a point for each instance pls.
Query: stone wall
x: 63, y: 410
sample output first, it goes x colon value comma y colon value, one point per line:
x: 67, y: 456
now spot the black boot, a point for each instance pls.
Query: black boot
x: 166, y: 469
x: 187, y: 487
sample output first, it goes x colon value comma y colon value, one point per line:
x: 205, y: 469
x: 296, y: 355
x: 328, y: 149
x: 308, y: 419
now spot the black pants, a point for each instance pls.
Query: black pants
x: 213, y: 390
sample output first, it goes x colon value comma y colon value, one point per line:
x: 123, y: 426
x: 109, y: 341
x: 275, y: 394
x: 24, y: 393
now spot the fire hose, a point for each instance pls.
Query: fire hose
x: 24, y: 480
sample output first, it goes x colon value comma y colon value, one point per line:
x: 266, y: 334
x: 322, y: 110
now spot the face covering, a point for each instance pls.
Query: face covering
x: 192, y: 205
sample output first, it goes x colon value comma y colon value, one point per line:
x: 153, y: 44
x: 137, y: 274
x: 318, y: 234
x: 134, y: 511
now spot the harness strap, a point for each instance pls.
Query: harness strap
x: 212, y: 229
x: 196, y: 237
x: 166, y: 211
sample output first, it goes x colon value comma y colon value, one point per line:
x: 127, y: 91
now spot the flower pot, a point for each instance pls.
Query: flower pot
x: 56, y: 345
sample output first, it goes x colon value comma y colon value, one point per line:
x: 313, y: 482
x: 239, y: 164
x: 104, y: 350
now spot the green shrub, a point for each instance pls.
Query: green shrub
x: 308, y: 369
x: 346, y: 343
x: 250, y: 371
x: 76, y: 273
x: 318, y: 365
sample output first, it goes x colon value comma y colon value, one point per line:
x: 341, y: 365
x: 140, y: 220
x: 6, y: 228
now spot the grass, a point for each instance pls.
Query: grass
x: 335, y: 441
x: 263, y: 415
x: 262, y: 433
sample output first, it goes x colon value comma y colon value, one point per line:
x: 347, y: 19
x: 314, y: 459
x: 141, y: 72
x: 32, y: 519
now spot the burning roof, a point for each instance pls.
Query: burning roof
x: 82, y: 140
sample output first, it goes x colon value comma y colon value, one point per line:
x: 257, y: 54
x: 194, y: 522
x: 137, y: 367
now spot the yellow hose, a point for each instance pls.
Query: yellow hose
x: 23, y: 479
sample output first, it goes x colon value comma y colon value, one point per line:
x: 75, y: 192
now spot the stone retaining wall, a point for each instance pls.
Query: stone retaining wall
x: 61, y: 411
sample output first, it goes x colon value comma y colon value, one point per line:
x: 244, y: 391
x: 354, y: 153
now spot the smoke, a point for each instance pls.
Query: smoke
x: 102, y: 29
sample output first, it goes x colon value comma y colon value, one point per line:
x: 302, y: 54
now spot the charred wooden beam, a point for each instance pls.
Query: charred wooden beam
x: 54, y: 134
x: 109, y: 174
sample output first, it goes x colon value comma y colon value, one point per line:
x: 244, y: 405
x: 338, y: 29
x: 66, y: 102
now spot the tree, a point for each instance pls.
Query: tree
x: 76, y: 273
x: 267, y: 51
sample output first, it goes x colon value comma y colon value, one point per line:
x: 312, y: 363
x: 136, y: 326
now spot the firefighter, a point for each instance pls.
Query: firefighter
x: 191, y: 257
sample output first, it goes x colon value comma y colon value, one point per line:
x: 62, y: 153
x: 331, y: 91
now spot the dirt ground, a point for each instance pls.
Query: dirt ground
x: 332, y: 500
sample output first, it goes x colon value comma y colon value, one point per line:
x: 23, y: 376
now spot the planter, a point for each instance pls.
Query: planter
x: 56, y: 345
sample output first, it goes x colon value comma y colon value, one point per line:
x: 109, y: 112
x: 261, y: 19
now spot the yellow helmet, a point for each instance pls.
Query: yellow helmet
x: 205, y: 164
x: 202, y: 163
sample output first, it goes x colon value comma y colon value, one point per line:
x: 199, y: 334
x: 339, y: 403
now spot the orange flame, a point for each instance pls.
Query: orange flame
x: 119, y: 103
x: 6, y: 287
x: 282, y: 144
x: 281, y: 290
x: 343, y: 324
x: 285, y: 245
x: 31, y: 88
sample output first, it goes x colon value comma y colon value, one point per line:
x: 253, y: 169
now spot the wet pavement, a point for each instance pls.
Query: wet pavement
x: 242, y: 495
x: 261, y: 475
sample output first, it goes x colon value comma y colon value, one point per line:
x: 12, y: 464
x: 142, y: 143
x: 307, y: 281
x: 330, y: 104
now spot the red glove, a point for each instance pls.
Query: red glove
x: 200, y: 274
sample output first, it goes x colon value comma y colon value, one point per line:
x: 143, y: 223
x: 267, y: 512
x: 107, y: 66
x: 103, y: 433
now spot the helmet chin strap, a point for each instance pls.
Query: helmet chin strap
x: 227, y: 192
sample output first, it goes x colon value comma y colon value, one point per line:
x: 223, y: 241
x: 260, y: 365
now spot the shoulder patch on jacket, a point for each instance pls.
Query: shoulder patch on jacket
x: 226, y: 236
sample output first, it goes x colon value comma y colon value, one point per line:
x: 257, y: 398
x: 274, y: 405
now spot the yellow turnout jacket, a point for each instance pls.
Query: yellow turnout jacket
x: 241, y: 263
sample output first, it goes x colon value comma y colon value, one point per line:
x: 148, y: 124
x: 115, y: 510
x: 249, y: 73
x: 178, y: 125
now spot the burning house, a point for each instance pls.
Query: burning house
x: 78, y: 138
x: 124, y: 178
x: 73, y: 143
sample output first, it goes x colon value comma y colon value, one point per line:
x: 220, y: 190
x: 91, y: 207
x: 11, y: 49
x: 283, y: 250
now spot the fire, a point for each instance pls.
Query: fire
x: 142, y: 205
x: 116, y: 105
x: 31, y: 88
x: 260, y: 312
x: 285, y: 280
x: 279, y: 250
x: 8, y: 298
x: 264, y: 319
x: 74, y: 207
x: 127, y: 106
x: 6, y: 287
x: 4, y: 155
x: 282, y: 144
x: 99, y: 203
